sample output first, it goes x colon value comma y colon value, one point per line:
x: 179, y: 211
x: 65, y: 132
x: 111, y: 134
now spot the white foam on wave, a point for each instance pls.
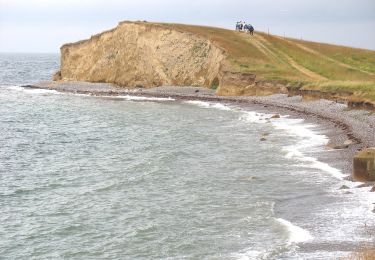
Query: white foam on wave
x: 141, y: 98
x: 32, y: 90
x: 205, y: 104
x: 296, y: 234
x: 314, y: 163
x: 297, y: 127
x: 254, y: 117
x: 248, y: 255
x: 309, y: 140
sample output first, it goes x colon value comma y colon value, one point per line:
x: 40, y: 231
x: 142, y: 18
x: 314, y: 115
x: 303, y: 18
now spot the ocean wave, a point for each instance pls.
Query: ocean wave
x: 248, y: 255
x: 141, y: 98
x: 294, y: 153
x: 297, y: 127
x: 254, y: 117
x: 310, y: 139
x: 32, y: 90
x: 205, y: 104
x: 296, y: 234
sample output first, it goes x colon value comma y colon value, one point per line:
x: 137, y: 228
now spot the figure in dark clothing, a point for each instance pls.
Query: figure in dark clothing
x: 240, y: 26
x: 249, y: 28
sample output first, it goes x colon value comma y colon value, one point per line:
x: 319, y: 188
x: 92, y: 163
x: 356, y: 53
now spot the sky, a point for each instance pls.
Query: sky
x: 45, y: 25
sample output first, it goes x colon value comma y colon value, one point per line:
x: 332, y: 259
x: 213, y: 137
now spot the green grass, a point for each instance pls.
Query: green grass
x: 359, y: 58
x: 315, y: 63
x: 363, y: 90
x: 269, y: 57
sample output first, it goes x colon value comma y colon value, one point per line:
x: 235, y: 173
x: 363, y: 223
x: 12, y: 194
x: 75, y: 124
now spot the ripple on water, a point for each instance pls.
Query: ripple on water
x: 92, y: 177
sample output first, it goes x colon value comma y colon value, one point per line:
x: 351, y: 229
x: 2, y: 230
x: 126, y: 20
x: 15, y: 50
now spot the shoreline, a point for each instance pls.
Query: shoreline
x: 319, y: 112
x: 338, y: 122
x: 295, y: 231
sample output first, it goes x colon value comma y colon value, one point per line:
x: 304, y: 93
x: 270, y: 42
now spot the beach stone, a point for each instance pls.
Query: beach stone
x: 344, y: 187
x: 344, y: 145
x: 275, y: 116
x: 263, y: 139
x: 364, y: 165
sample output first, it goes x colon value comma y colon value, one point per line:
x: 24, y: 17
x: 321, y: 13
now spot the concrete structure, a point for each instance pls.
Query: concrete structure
x: 364, y: 165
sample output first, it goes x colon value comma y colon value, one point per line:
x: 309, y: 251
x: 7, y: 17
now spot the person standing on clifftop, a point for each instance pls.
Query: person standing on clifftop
x: 251, y: 29
x: 240, y: 26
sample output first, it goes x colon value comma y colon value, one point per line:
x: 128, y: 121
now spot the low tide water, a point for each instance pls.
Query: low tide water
x: 128, y: 178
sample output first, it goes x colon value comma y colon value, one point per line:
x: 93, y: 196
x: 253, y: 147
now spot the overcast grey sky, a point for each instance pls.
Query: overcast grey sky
x: 44, y: 25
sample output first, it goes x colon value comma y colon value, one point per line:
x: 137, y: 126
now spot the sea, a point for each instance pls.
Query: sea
x: 87, y: 177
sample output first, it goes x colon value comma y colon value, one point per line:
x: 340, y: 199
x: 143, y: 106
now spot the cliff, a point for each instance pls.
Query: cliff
x: 145, y: 54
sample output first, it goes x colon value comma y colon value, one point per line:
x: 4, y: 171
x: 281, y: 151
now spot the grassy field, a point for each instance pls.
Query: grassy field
x: 317, y: 66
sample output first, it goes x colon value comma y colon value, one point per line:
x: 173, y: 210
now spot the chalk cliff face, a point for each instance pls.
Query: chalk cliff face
x: 143, y: 54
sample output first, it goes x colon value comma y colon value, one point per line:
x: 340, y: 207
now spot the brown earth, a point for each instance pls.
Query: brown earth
x: 142, y: 54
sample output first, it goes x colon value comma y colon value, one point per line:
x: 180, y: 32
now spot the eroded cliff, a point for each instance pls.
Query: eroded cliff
x: 143, y: 54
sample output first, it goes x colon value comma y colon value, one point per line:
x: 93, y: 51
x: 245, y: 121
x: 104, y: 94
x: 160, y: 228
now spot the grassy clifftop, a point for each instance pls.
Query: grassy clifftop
x: 301, y: 64
x: 236, y: 63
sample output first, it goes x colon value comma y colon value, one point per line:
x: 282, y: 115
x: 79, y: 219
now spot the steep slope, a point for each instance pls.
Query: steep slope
x: 142, y: 54
x: 152, y: 54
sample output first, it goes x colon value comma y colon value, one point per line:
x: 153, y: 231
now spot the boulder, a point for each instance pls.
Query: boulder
x: 344, y: 187
x: 373, y: 189
x: 364, y: 165
x: 343, y: 145
x: 263, y: 139
x: 275, y: 116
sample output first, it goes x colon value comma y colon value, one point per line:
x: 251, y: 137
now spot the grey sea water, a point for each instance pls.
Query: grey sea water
x: 85, y: 177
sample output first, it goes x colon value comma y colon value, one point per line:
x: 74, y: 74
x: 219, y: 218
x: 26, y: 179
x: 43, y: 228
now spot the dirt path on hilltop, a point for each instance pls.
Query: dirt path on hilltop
x: 262, y: 44
x: 321, y: 55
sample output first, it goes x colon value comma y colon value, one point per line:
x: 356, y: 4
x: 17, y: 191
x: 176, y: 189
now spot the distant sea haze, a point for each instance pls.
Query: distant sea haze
x: 155, y: 178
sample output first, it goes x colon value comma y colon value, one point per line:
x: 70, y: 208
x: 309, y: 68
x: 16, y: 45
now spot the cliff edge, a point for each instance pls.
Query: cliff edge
x: 141, y: 54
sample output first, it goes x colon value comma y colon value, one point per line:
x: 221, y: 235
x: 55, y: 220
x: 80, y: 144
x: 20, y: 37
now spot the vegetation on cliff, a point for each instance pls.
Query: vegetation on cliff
x: 302, y: 64
x: 152, y: 54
